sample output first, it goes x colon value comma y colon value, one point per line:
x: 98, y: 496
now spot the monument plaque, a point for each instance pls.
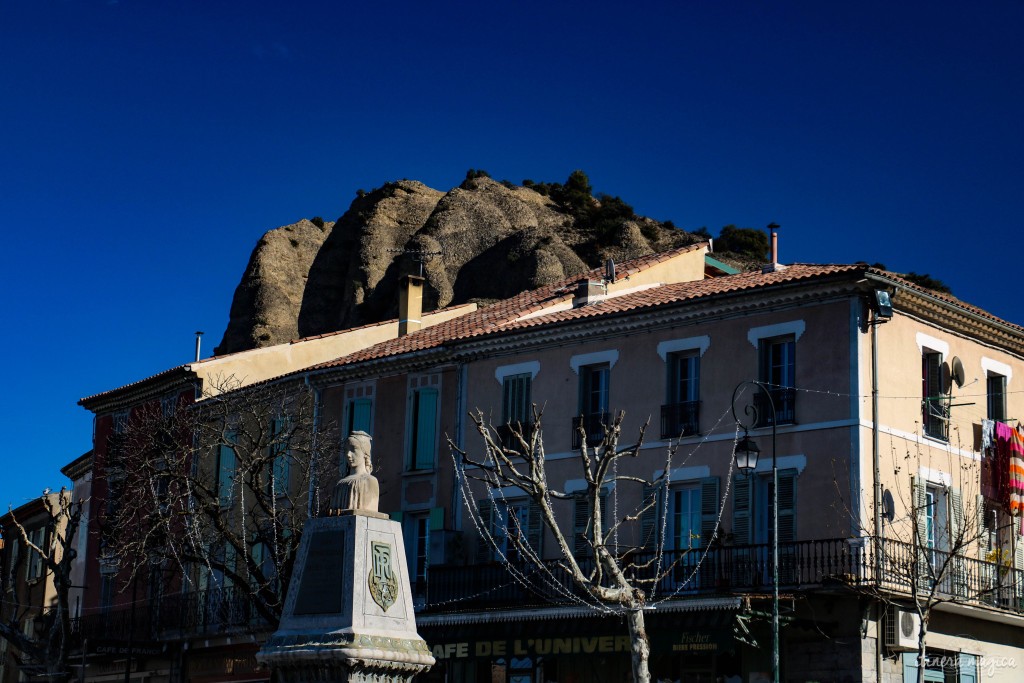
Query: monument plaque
x: 320, y: 582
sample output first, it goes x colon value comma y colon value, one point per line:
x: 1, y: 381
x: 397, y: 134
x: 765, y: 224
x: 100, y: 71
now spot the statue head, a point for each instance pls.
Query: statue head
x: 357, y: 451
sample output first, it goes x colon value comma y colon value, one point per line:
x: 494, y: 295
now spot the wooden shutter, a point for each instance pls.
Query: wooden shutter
x: 534, y: 527
x: 1018, y: 544
x: 709, y: 501
x: 919, y: 496
x: 650, y: 528
x: 484, y: 551
x: 436, y: 519
x: 580, y: 525
x: 741, y: 509
x: 787, y: 506
x: 426, y: 424
x: 957, y: 534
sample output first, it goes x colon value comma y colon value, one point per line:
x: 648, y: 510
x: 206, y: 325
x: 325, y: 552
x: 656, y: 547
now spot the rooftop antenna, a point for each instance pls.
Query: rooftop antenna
x: 199, y: 336
x: 417, y: 254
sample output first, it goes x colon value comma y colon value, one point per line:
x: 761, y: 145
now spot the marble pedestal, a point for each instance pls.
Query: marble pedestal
x: 348, y: 616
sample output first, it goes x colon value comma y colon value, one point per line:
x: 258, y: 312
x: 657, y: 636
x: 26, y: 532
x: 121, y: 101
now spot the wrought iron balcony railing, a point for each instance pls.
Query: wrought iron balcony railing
x: 784, y: 400
x: 860, y: 563
x: 593, y: 424
x: 680, y: 419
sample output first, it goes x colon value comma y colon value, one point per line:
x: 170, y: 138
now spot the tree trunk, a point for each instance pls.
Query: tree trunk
x: 922, y: 652
x: 641, y: 650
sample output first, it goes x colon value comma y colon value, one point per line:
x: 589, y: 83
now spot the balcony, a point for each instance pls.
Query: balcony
x: 593, y: 424
x: 680, y: 419
x: 784, y: 400
x: 173, y: 617
x: 803, y: 565
x: 507, y: 437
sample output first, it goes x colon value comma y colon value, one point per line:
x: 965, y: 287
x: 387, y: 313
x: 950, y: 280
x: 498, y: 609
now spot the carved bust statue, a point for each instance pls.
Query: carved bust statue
x: 359, y: 490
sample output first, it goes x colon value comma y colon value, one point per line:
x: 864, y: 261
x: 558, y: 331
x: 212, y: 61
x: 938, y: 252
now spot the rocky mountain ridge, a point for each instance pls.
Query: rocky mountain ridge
x: 482, y: 240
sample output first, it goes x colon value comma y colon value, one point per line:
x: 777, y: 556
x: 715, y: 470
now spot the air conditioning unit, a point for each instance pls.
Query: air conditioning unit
x: 902, y: 628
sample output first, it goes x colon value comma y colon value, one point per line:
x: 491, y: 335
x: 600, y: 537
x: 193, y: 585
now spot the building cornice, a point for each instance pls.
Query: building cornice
x: 144, y: 390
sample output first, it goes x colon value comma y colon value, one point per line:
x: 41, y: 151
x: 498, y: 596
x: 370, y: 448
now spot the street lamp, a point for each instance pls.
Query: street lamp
x: 746, y: 453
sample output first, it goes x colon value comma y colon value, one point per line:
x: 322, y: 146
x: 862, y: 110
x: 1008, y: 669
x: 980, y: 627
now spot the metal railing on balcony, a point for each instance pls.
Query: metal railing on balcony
x: 784, y: 400
x: 593, y: 424
x: 741, y: 569
x: 680, y: 419
x: 507, y: 434
x: 182, y: 615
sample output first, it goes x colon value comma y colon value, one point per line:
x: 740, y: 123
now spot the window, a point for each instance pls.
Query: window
x: 13, y: 558
x: 106, y: 591
x: 684, y: 518
x: 226, y: 464
x: 777, y: 370
x: 939, y: 520
x: 935, y: 409
x: 680, y: 414
x: 752, y: 508
x: 423, y: 443
x: 751, y: 524
x: 516, y: 400
x: 516, y: 407
x: 417, y: 549
x: 996, y: 390
x: 34, y: 569
x: 360, y: 411
x: 593, y: 403
x: 692, y: 514
x: 507, y: 521
x: 280, y: 454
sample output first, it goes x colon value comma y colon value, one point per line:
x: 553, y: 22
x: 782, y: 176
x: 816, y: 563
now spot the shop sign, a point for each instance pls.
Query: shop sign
x: 529, y: 647
x: 120, y: 648
x: 705, y: 641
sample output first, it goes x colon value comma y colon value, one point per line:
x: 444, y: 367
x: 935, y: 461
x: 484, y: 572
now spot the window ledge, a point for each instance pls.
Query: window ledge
x: 419, y: 473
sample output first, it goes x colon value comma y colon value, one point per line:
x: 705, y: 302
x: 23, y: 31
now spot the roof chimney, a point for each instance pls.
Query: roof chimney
x: 587, y: 292
x: 199, y: 336
x: 410, y: 304
x: 774, y: 265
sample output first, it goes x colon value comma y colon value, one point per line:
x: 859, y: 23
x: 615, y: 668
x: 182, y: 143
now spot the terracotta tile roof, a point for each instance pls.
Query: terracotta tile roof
x: 950, y: 299
x: 506, y: 316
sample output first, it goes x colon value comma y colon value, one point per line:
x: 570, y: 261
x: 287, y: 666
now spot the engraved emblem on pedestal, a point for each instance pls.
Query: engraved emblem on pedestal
x: 382, y: 580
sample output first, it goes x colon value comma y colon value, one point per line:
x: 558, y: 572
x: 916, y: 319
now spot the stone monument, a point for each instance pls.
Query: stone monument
x: 348, y: 615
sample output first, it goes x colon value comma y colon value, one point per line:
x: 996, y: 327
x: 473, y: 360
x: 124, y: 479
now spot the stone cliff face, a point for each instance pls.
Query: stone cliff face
x: 491, y: 241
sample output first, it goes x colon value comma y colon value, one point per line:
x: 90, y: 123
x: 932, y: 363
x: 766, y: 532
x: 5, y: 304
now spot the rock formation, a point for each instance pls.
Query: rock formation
x: 491, y: 240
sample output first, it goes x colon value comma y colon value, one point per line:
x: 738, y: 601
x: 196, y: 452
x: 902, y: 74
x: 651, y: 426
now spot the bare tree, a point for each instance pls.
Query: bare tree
x: 216, y: 493
x: 616, y: 581
x: 44, y: 648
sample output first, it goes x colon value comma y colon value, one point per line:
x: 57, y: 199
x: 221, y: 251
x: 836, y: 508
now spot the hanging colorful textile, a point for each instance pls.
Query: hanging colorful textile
x: 1010, y: 467
x: 1017, y: 473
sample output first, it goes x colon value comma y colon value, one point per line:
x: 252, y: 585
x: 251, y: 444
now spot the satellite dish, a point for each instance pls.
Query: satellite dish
x: 888, y: 506
x: 944, y: 378
x: 956, y: 370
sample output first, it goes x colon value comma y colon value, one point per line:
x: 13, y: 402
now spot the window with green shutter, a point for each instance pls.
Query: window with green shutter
x: 423, y: 442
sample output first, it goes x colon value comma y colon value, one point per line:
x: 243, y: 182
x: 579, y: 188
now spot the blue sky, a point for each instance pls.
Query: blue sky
x: 146, y: 145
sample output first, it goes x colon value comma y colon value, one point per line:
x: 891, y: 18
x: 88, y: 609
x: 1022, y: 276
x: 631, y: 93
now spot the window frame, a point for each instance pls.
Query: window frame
x: 778, y: 378
x: 934, y: 423
x: 995, y: 396
x: 680, y: 416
